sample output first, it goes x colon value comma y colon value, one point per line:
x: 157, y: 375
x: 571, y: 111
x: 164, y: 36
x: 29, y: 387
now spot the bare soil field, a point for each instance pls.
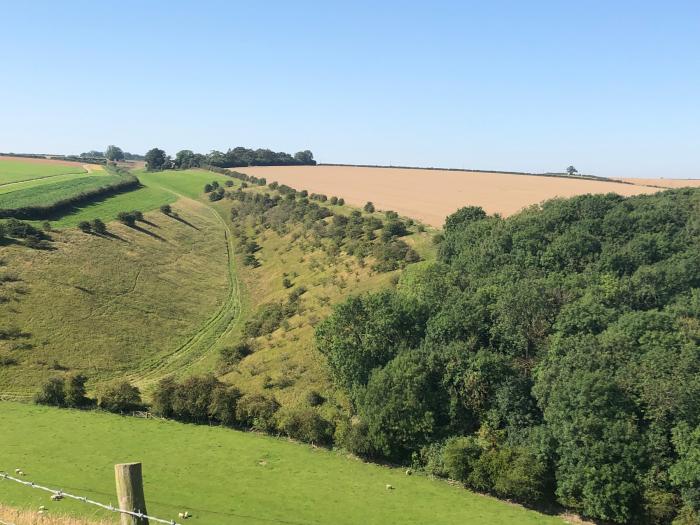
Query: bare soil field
x: 431, y: 195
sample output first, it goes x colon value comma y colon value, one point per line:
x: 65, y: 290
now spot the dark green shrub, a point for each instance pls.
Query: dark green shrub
x: 305, y: 424
x: 460, y: 454
x: 166, y: 209
x: 127, y: 218
x: 341, y: 201
x: 120, y: 397
x: 314, y: 399
x: 230, y: 356
x: 52, y: 393
x: 287, y: 283
x: 99, y: 226
x: 334, y: 200
x: 369, y: 207
x: 222, y: 407
x: 85, y: 226
x: 257, y: 411
x: 75, y: 391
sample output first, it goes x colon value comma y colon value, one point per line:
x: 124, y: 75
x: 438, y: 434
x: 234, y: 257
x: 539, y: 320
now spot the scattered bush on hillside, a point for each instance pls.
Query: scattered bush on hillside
x: 166, y: 209
x: 85, y: 226
x: 98, y: 226
x: 355, y: 234
x: 129, y: 218
x: 369, y: 207
x: 230, y: 356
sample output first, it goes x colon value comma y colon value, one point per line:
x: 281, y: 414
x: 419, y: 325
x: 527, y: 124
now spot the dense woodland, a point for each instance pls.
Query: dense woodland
x: 552, y: 355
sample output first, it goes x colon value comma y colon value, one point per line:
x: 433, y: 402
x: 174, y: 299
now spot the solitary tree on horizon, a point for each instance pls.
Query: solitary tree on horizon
x: 114, y: 153
x: 571, y: 171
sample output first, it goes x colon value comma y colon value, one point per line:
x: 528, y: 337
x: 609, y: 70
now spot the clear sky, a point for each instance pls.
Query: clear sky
x: 612, y: 87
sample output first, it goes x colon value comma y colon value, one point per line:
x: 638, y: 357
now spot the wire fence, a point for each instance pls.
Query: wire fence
x: 59, y: 494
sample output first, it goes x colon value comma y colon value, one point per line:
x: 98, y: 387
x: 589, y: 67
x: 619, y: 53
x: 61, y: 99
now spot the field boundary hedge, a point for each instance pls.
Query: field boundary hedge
x: 128, y: 183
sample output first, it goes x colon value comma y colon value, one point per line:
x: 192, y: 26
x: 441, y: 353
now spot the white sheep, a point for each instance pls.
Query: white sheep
x: 389, y: 487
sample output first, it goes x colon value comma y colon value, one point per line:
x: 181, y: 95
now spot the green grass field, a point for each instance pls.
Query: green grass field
x: 13, y: 171
x: 49, y: 194
x: 224, y: 476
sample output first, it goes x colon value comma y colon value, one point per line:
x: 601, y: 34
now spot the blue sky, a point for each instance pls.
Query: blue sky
x: 611, y: 87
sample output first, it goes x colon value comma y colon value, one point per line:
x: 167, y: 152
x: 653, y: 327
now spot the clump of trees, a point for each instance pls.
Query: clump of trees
x: 157, y: 160
x: 69, y: 392
x: 551, y: 355
x: 240, y: 157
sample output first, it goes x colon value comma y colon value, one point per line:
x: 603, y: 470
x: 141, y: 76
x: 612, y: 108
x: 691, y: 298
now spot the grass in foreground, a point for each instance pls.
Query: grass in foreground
x: 224, y: 476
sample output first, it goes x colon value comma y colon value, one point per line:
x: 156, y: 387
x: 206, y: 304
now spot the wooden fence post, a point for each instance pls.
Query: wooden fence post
x: 130, y: 492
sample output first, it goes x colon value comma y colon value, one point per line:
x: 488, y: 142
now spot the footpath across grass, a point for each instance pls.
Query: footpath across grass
x: 223, y: 476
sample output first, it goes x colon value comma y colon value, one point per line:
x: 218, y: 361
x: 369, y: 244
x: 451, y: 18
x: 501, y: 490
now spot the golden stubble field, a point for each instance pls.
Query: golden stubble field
x: 431, y: 195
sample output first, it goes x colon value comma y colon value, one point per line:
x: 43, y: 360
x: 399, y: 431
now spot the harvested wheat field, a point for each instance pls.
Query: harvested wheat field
x: 431, y: 195
x: 667, y: 183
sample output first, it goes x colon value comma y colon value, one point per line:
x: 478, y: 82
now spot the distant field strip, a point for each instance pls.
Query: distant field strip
x: 12, y: 171
x: 35, y: 203
x: 431, y: 195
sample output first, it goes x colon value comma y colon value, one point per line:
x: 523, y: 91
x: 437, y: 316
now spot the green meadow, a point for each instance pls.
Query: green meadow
x: 13, y: 171
x: 224, y: 476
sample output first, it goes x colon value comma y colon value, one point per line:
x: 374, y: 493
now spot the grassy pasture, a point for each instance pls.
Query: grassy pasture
x: 224, y: 476
x: 13, y: 171
x: 50, y: 194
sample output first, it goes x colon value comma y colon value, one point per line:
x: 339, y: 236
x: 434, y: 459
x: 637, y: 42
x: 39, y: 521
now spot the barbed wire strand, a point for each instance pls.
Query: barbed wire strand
x: 111, y: 508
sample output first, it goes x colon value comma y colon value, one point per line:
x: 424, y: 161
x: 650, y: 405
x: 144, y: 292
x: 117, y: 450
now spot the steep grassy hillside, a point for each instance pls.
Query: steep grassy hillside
x: 223, y: 476
x: 108, y: 305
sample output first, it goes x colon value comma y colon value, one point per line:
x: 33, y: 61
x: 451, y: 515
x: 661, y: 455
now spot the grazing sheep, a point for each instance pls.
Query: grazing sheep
x: 18, y: 470
x: 389, y: 487
x: 409, y: 472
x: 56, y: 497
